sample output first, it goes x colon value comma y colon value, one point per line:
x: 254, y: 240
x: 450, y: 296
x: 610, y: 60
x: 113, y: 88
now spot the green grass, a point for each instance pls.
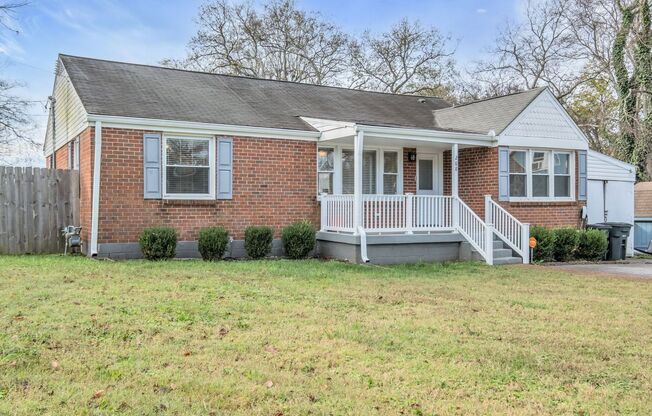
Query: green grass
x: 311, y: 337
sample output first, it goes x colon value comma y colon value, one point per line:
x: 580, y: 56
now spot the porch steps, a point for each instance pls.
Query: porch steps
x: 503, y: 254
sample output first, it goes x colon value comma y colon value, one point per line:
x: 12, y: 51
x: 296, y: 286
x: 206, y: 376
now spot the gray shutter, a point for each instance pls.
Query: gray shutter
x: 503, y: 174
x: 581, y: 156
x: 224, y: 168
x: 152, y: 166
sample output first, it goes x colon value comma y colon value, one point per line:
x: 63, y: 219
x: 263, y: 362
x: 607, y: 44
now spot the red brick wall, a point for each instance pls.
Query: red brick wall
x: 274, y: 183
x: 409, y: 172
x: 478, y: 176
x: 86, y: 156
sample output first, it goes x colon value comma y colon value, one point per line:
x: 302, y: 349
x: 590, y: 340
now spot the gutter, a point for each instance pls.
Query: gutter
x: 95, y: 207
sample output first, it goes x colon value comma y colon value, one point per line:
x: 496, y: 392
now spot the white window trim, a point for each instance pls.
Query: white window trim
x: 327, y: 171
x: 380, y: 168
x: 551, y: 177
x: 211, y: 168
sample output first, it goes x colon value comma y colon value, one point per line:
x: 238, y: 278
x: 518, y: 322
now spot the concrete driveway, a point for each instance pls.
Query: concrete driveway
x: 633, y: 268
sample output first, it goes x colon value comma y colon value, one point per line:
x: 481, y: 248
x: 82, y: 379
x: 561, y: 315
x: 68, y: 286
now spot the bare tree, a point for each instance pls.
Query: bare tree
x: 542, y: 50
x: 14, y: 118
x: 408, y: 59
x: 280, y: 42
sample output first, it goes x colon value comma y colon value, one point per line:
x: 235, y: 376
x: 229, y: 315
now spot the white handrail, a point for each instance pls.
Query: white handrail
x: 474, y: 230
x: 509, y: 229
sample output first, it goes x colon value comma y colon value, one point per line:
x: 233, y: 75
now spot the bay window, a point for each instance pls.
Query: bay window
x: 189, y: 165
x: 540, y: 174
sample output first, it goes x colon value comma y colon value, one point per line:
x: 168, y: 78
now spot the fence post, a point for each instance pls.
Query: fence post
x: 489, y: 244
x: 409, y: 213
x: 526, y: 243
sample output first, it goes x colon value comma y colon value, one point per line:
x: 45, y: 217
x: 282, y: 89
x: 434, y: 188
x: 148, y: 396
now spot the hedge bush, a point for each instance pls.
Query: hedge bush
x: 258, y: 241
x: 158, y: 243
x: 544, y: 251
x: 592, y: 245
x: 566, y: 241
x: 298, y: 239
x: 213, y: 242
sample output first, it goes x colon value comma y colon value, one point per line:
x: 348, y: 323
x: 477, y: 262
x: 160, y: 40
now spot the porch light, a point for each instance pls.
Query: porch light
x: 412, y: 156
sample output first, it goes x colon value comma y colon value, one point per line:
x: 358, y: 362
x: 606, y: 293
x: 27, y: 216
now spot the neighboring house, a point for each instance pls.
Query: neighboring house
x: 387, y: 178
x: 643, y: 216
x: 611, y: 192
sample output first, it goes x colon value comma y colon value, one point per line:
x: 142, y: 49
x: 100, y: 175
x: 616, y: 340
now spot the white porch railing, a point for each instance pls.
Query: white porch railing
x: 508, y: 228
x: 389, y: 213
x: 408, y: 213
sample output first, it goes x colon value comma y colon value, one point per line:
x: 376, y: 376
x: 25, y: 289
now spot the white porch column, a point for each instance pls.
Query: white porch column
x: 357, y: 180
x: 455, y: 184
x: 455, y: 170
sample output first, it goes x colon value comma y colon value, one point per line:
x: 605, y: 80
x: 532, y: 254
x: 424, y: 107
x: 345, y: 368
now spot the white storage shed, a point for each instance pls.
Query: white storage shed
x: 610, y: 194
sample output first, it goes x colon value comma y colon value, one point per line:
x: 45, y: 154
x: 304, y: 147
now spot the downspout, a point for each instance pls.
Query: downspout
x: 95, y: 208
x: 53, y: 159
x: 363, y: 244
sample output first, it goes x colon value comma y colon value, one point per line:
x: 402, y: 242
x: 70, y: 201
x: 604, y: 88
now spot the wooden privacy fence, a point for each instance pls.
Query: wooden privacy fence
x: 35, y: 204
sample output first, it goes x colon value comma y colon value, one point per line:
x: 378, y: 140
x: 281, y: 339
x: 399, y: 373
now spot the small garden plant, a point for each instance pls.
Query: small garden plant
x: 544, y: 250
x: 213, y: 242
x: 568, y: 244
x: 298, y: 239
x: 258, y: 241
x: 592, y: 245
x: 158, y: 243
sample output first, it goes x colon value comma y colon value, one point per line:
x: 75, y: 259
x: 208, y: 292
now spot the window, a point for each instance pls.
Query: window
x: 539, y: 174
x: 368, y: 171
x: 189, y: 164
x: 325, y: 170
x: 517, y: 174
x: 390, y: 173
x: 562, y: 175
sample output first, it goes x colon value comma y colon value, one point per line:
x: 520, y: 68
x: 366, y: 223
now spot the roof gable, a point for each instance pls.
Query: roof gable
x: 544, y: 123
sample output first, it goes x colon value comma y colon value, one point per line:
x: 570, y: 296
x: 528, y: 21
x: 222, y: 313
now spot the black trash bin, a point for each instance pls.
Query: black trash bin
x: 618, y: 233
x: 606, y: 229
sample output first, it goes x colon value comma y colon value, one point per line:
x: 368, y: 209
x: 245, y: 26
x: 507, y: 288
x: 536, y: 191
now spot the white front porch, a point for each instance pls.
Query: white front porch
x: 371, y: 208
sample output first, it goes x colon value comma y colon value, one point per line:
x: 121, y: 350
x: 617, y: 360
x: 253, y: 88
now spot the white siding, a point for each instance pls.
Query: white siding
x: 544, y: 123
x: 603, y: 167
x: 70, y: 115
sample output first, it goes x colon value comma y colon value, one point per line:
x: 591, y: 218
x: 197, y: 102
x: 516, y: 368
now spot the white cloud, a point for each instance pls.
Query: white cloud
x: 481, y: 11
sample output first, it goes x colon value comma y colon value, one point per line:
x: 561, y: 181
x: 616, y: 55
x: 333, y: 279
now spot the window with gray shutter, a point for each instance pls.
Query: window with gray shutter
x: 503, y: 174
x: 224, y: 168
x: 581, y: 155
x: 152, y: 166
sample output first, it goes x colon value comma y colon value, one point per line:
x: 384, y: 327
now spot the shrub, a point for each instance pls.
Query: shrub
x: 213, y: 242
x: 298, y: 239
x: 158, y: 243
x: 592, y: 245
x: 544, y: 251
x: 566, y: 240
x: 258, y: 241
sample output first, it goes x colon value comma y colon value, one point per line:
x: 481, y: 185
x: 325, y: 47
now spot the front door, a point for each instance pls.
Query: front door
x: 428, y: 213
x: 427, y: 175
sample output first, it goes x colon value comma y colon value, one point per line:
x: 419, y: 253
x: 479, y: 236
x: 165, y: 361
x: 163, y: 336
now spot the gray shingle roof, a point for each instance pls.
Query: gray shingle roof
x: 485, y: 115
x: 132, y: 90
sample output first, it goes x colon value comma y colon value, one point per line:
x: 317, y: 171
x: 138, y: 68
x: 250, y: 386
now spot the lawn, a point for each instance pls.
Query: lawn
x: 308, y: 337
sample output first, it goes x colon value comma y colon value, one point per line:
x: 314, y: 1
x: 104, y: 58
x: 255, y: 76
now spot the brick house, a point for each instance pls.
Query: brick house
x: 385, y: 178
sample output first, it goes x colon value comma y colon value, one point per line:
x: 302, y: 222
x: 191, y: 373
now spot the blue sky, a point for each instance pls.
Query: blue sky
x: 147, y: 31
